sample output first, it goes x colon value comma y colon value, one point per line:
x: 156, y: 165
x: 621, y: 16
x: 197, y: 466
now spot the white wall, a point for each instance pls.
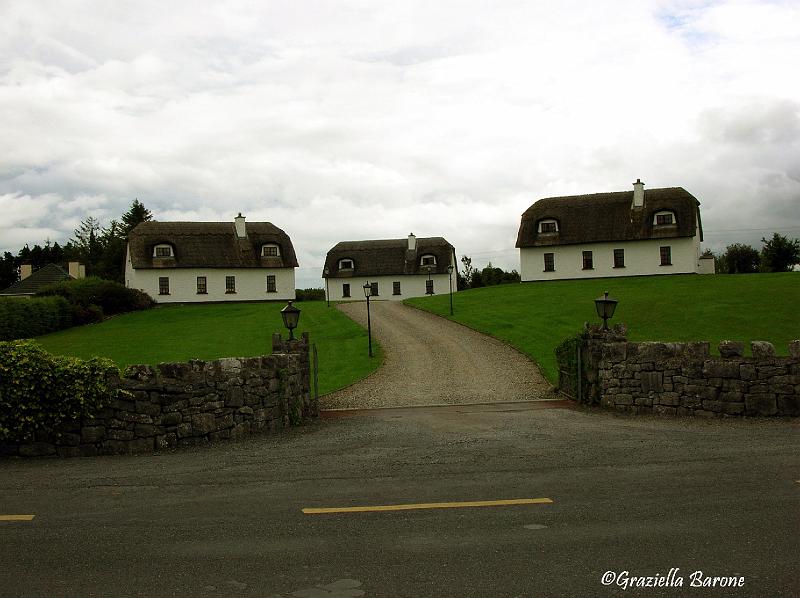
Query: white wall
x: 251, y: 283
x: 641, y: 257
x: 410, y: 286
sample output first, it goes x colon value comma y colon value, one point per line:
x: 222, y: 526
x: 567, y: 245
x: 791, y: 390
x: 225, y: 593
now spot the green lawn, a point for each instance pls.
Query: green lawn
x: 535, y: 317
x: 182, y: 332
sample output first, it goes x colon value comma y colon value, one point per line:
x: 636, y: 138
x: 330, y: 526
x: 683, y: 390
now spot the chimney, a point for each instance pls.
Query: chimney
x: 638, y: 194
x: 412, y: 242
x: 241, y: 230
x: 25, y: 270
x: 76, y: 270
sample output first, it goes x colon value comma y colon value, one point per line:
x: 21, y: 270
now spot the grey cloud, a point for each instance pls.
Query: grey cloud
x: 766, y: 121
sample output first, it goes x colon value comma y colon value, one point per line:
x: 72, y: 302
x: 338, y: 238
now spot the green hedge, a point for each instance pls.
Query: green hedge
x: 89, y: 294
x: 27, y: 317
x: 39, y: 392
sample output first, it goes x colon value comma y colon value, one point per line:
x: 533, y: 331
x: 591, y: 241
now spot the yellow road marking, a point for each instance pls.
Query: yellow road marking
x: 17, y: 517
x: 430, y: 505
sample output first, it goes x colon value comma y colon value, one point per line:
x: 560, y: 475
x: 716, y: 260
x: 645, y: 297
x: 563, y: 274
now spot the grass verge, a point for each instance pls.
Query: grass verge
x: 183, y: 332
x: 536, y: 317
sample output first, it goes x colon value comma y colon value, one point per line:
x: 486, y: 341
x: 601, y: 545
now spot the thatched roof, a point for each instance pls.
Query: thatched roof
x: 44, y: 276
x: 388, y: 257
x: 209, y: 245
x: 604, y: 217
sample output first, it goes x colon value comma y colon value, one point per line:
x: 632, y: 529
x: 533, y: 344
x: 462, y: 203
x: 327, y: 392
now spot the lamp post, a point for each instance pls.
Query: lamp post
x: 367, y: 294
x: 450, y: 272
x: 326, y: 272
x: 290, y: 315
x: 605, y: 308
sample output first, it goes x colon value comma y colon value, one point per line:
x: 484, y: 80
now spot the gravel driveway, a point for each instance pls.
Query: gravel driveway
x: 432, y: 361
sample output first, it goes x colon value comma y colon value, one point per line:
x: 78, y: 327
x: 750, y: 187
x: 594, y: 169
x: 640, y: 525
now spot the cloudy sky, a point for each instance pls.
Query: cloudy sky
x: 372, y: 119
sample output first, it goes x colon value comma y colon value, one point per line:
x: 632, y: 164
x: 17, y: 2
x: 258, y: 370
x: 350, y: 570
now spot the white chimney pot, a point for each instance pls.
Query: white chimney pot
x: 241, y: 229
x: 638, y: 194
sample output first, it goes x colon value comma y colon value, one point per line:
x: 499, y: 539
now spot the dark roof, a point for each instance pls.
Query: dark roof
x: 44, y: 276
x: 389, y: 257
x: 610, y: 217
x: 209, y: 245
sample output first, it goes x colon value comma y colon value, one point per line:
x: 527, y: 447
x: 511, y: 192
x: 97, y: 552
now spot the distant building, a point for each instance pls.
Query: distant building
x: 627, y: 233
x: 194, y: 262
x: 31, y: 282
x: 395, y: 268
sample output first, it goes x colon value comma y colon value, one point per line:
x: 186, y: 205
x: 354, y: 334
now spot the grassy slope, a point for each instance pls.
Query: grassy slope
x: 182, y: 332
x: 535, y: 317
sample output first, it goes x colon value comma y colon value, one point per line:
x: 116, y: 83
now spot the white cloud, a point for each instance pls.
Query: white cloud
x: 367, y: 119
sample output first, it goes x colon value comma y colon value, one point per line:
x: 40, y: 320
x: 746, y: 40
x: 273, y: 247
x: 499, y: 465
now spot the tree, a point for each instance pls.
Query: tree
x: 779, y: 254
x: 739, y: 259
x: 111, y: 262
x: 136, y: 214
x: 467, y: 273
x: 86, y: 243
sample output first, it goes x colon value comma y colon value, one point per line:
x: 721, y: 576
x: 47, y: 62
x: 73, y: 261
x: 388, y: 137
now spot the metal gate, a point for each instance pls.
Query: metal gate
x: 570, y: 368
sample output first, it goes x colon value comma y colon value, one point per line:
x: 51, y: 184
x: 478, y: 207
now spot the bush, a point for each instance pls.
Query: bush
x: 41, y: 393
x: 22, y: 317
x: 310, y: 294
x: 111, y: 297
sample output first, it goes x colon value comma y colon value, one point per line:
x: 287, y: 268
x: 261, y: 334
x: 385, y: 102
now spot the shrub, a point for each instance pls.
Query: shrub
x: 27, y: 317
x: 310, y: 294
x: 111, y: 297
x: 40, y: 393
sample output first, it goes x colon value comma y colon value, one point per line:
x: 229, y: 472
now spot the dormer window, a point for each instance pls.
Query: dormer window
x: 427, y: 260
x: 548, y: 226
x: 163, y: 250
x: 270, y: 250
x: 664, y: 218
x: 346, y: 264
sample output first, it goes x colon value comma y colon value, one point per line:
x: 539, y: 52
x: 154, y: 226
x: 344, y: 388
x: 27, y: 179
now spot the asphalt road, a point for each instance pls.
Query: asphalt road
x: 636, y: 494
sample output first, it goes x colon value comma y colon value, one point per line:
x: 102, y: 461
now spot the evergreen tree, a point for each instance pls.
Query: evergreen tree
x: 135, y: 215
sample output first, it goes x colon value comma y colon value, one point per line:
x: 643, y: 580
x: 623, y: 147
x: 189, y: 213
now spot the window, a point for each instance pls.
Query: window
x: 163, y: 285
x: 429, y: 287
x: 428, y: 260
x: 666, y: 256
x: 664, y: 218
x: 619, y: 258
x: 549, y: 262
x: 396, y: 287
x: 346, y: 264
x: 346, y: 290
x: 230, y: 284
x: 270, y: 251
x: 587, y: 261
x: 271, y: 287
x: 374, y: 290
x: 202, y: 287
x: 162, y: 251
x: 548, y: 226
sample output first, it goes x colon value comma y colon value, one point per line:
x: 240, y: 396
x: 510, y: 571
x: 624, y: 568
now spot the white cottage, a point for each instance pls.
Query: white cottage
x: 628, y: 233
x: 194, y: 262
x: 395, y: 268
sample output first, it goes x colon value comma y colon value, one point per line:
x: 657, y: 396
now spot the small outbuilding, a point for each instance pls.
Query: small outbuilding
x: 32, y: 281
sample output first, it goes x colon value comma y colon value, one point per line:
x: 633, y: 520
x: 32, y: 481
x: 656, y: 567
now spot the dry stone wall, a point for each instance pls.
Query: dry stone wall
x: 184, y: 404
x: 684, y: 379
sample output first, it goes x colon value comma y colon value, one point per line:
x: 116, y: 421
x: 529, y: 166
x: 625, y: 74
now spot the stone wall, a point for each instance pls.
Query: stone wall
x: 184, y: 404
x: 684, y: 379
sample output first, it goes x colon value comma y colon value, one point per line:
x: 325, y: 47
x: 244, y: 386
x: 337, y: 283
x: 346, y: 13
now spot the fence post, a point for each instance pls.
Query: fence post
x: 579, y: 373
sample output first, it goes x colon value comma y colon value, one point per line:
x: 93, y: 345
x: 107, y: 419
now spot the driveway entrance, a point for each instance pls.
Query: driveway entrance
x: 432, y: 361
